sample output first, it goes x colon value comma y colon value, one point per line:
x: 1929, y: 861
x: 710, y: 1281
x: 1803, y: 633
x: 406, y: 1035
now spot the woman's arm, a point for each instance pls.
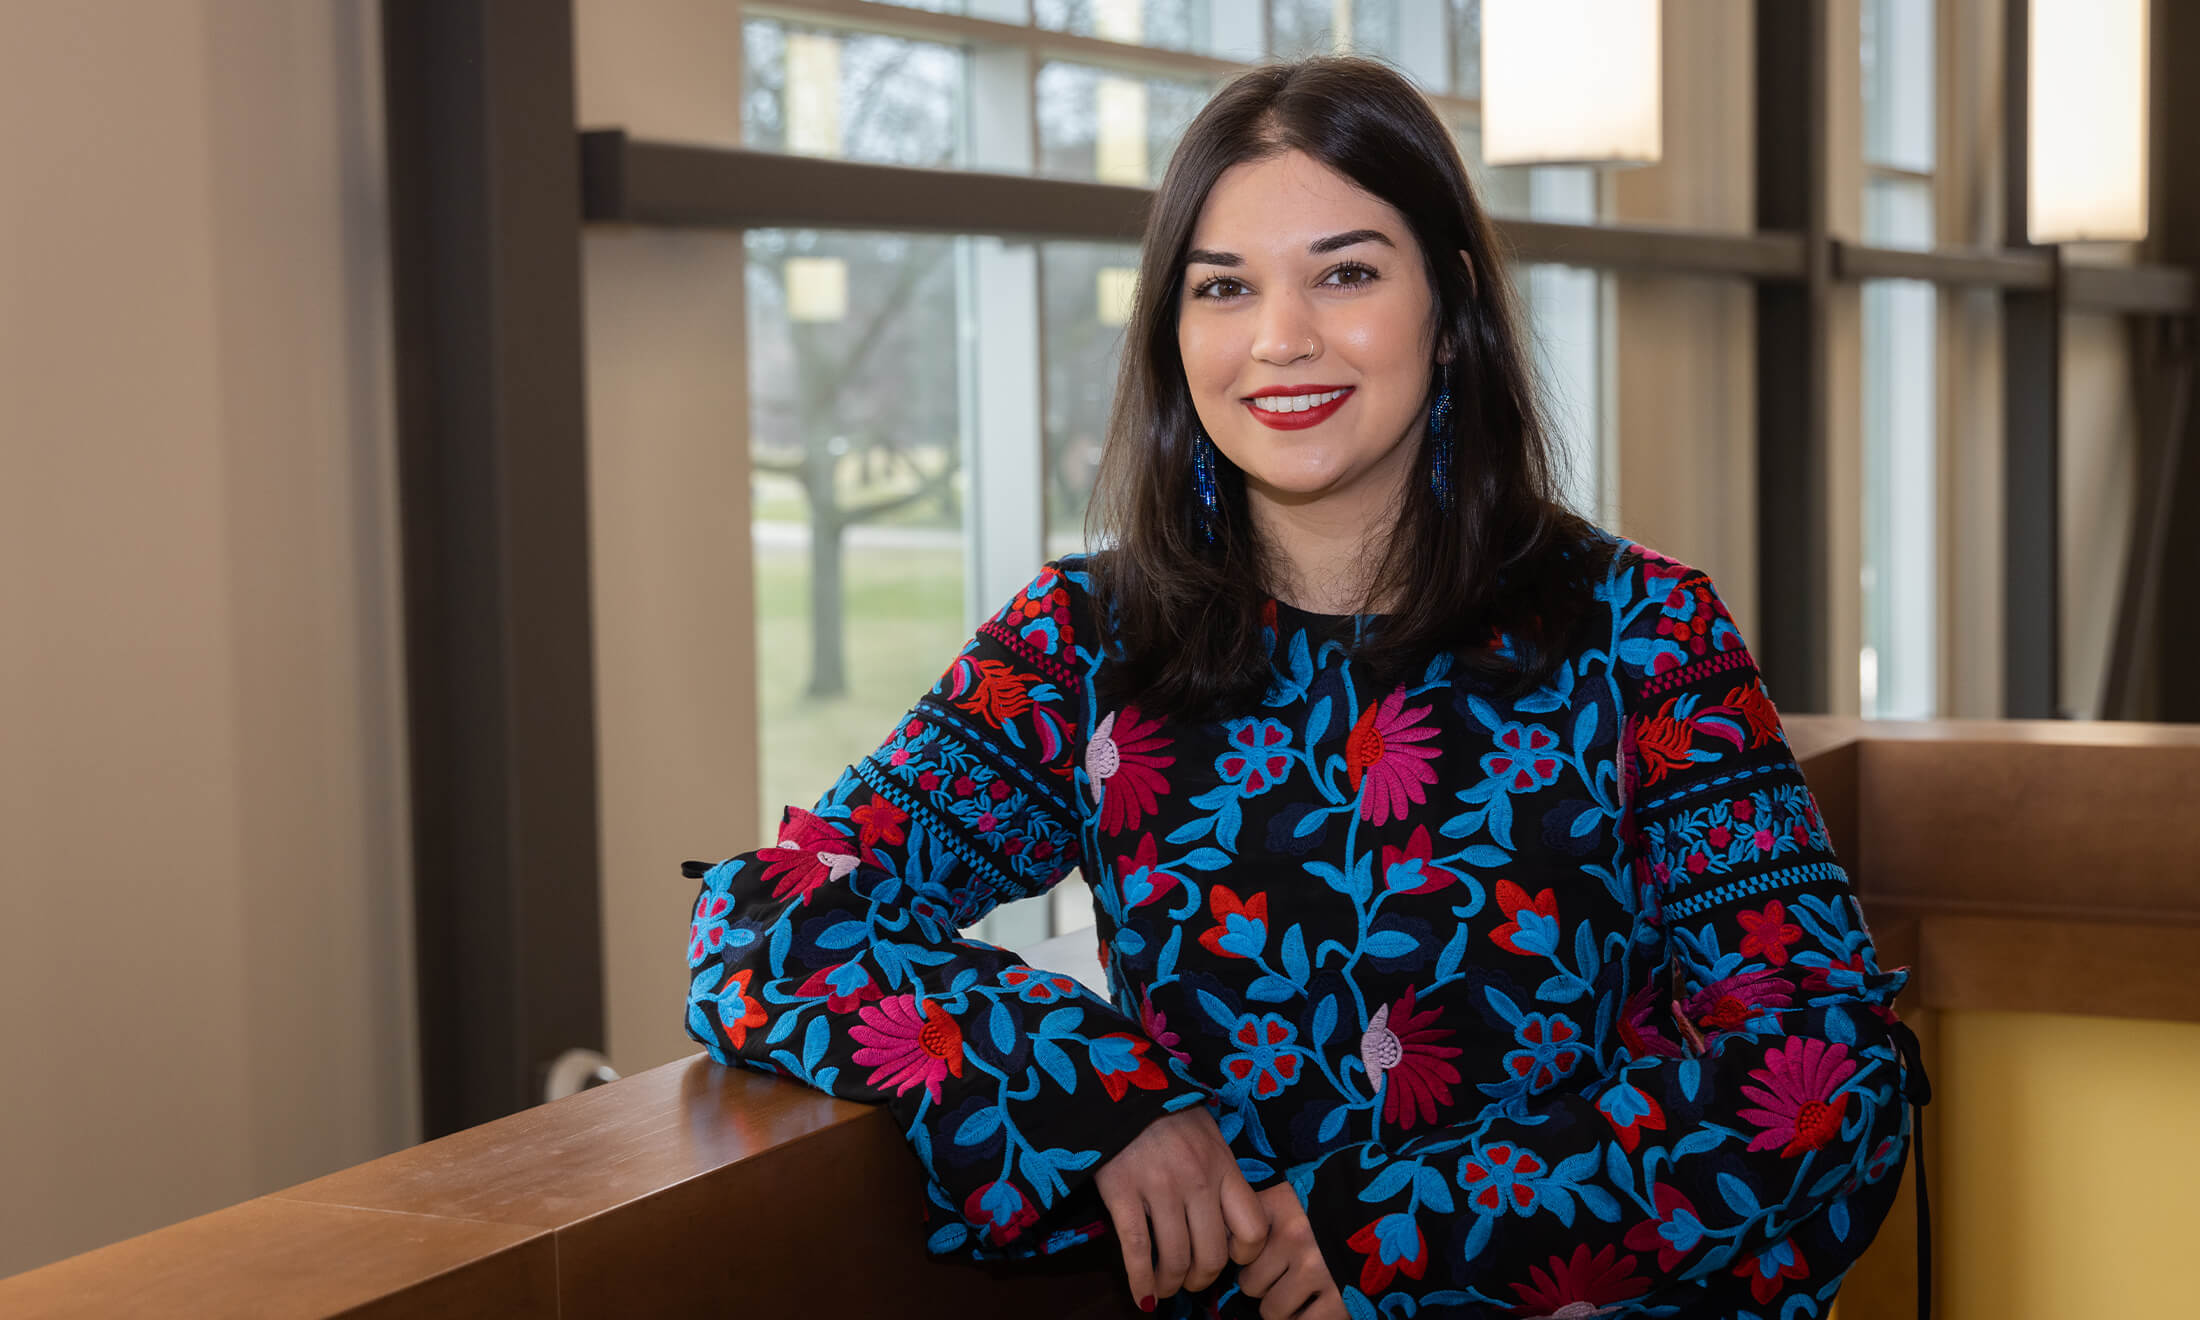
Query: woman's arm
x: 1703, y: 1161
x: 833, y: 956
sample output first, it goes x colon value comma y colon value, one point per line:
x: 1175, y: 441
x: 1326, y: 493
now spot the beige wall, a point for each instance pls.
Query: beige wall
x: 204, y: 991
x: 669, y: 520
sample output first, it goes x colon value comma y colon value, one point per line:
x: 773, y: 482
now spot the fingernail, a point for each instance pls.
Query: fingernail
x: 1146, y: 1303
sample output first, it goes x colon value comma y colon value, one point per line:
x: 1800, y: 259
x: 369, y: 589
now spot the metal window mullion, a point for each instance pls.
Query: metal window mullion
x: 1002, y: 425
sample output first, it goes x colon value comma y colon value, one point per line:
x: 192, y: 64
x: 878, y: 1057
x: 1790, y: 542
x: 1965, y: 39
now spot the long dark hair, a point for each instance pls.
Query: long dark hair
x: 1186, y: 615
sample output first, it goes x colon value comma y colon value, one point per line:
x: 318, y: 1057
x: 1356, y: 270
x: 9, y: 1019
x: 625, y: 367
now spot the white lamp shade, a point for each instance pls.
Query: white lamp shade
x: 2086, y: 168
x: 817, y: 289
x: 1116, y: 288
x: 1570, y: 82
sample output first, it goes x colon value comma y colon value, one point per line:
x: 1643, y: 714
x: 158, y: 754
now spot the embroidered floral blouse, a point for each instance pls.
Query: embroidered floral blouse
x: 1540, y: 1006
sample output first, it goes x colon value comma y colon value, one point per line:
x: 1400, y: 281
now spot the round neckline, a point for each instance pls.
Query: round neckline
x: 1284, y: 607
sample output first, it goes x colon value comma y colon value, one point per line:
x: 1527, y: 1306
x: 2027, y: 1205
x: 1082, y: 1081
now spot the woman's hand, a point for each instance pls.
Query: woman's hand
x: 1290, y: 1272
x: 1181, y: 1208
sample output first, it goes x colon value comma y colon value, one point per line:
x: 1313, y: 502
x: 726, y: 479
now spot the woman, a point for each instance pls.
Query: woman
x: 1470, y: 933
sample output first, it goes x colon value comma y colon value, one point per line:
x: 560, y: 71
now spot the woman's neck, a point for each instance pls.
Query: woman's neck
x: 1327, y: 549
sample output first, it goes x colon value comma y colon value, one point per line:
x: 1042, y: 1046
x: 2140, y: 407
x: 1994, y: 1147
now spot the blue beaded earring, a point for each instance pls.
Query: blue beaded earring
x: 1439, y: 439
x: 1203, y: 481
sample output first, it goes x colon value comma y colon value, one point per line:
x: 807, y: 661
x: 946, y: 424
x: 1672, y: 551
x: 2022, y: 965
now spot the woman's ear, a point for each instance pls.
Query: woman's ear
x: 1474, y: 284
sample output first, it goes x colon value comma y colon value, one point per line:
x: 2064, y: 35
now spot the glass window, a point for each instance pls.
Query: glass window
x: 1094, y: 124
x: 1315, y: 27
x: 1088, y: 290
x: 853, y: 434
x: 1466, y: 48
x: 1897, y: 667
x: 854, y: 95
x: 1171, y: 24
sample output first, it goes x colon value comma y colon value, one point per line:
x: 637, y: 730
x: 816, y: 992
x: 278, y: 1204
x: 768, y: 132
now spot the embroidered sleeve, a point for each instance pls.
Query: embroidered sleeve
x: 832, y: 957
x: 1746, y: 1140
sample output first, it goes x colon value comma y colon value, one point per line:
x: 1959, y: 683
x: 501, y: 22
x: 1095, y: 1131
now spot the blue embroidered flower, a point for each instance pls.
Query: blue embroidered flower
x: 1259, y: 756
x: 1496, y: 1179
x: 1526, y: 758
x: 1552, y: 1049
x: 1265, y: 1061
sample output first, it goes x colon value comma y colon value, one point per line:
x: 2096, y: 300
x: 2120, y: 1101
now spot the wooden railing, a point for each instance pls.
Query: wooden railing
x: 2029, y: 866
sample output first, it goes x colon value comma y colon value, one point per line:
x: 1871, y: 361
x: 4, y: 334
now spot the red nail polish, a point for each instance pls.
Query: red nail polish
x: 1146, y: 1303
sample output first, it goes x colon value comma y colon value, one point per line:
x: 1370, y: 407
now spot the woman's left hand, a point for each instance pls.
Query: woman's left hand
x: 1290, y: 1272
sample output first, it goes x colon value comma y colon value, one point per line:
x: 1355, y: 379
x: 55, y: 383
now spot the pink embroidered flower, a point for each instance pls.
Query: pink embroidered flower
x: 1123, y: 765
x: 1383, y: 750
x: 1731, y: 1002
x: 1769, y: 933
x: 1639, y: 1033
x: 1156, y: 1024
x: 1799, y: 1111
x: 810, y: 852
x: 904, y: 1047
x: 1401, y: 1044
x: 1580, y: 1285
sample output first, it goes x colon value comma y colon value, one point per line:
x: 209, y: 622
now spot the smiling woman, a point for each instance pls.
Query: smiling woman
x: 1473, y: 943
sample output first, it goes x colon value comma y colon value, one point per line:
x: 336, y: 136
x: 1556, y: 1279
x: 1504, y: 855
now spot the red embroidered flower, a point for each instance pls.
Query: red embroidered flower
x: 1756, y: 709
x: 1769, y: 933
x: 1765, y: 1270
x: 1531, y: 926
x: 845, y: 987
x: 993, y: 690
x: 1141, y: 876
x: 1000, y: 1211
x: 1393, y: 1245
x: 737, y: 1011
x: 810, y: 852
x: 1674, y: 1233
x: 1241, y: 929
x: 879, y: 821
x: 1662, y: 743
x: 1119, y: 1059
x: 1413, y: 869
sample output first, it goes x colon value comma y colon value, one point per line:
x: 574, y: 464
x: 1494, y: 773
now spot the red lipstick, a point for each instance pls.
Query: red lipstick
x: 1296, y: 421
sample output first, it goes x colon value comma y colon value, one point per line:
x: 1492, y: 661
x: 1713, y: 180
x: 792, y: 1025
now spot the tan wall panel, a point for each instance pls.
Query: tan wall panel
x: 674, y: 589
x: 203, y: 977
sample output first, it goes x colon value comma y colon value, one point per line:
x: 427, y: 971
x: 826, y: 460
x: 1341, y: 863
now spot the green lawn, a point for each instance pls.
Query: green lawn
x: 904, y: 624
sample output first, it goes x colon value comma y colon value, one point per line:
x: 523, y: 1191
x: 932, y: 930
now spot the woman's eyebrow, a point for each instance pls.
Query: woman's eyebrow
x: 1204, y: 256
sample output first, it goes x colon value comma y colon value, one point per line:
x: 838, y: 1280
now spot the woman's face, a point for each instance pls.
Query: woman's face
x: 1300, y: 281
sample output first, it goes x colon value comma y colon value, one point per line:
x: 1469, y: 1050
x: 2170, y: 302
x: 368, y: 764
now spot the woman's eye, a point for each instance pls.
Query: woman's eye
x: 1355, y: 269
x: 1206, y: 289
x: 1209, y: 288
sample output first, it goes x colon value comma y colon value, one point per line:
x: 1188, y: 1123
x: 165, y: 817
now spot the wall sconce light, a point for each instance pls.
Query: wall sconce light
x: 2086, y: 105
x: 1571, y: 82
x: 817, y: 289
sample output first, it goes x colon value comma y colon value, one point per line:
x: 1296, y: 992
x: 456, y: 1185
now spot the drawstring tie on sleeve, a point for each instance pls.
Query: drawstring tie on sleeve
x: 1918, y: 1090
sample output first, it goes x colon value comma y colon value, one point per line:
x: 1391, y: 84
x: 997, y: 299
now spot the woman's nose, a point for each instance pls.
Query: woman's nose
x: 1286, y: 332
